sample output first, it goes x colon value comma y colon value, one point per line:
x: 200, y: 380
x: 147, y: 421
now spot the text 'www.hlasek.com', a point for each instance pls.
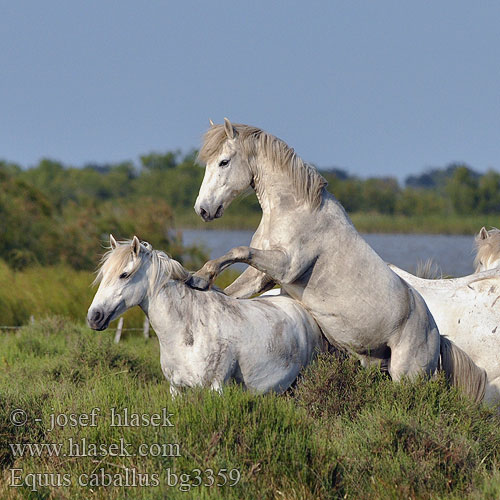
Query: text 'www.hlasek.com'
x: 116, y: 462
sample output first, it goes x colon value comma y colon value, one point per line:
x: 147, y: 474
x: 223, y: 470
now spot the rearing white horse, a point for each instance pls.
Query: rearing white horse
x: 205, y: 338
x: 307, y: 244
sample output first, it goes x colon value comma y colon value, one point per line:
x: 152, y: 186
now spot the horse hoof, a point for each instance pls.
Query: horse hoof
x: 198, y: 283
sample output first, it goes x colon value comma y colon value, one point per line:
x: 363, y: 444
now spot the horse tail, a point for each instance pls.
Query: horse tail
x: 428, y: 270
x: 461, y: 371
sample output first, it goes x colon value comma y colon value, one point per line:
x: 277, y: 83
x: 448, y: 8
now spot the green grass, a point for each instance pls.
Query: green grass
x: 364, y: 222
x: 47, y: 291
x: 342, y: 432
x: 430, y: 224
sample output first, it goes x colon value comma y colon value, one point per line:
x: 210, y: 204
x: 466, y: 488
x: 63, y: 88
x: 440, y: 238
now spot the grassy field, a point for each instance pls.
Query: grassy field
x: 431, y: 224
x: 48, y: 291
x: 58, y: 290
x: 342, y: 432
x: 364, y: 222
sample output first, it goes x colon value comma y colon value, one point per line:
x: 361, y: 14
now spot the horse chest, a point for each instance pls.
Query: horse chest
x: 194, y: 364
x: 183, y: 364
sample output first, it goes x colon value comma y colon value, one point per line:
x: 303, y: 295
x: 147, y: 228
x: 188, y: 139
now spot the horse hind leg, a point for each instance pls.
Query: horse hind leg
x: 216, y: 386
x: 415, y: 350
x: 492, y: 393
x: 378, y: 360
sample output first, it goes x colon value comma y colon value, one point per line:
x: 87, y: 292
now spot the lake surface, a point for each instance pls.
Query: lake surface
x: 454, y: 254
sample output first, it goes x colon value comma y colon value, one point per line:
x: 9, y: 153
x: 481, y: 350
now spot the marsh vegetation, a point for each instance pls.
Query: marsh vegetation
x: 341, y: 432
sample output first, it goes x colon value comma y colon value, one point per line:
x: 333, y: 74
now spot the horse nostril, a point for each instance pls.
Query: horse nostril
x: 219, y: 211
x: 204, y: 214
x: 96, y: 316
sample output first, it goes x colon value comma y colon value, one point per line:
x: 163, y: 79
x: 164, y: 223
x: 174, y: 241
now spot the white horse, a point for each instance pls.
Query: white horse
x: 467, y: 309
x: 308, y: 245
x: 205, y: 338
x: 487, y: 249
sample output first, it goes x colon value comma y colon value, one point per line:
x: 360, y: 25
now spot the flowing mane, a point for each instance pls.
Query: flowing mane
x: 308, y: 183
x: 487, y: 246
x: 164, y: 268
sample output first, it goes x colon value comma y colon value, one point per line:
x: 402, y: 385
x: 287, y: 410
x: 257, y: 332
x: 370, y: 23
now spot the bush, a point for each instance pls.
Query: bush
x: 342, y: 432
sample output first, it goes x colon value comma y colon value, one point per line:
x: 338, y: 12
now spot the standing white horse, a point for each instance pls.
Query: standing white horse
x: 205, y: 338
x: 307, y: 244
x: 467, y: 309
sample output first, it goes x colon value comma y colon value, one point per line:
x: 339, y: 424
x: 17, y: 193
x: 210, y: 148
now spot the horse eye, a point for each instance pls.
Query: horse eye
x: 223, y: 163
x: 123, y: 276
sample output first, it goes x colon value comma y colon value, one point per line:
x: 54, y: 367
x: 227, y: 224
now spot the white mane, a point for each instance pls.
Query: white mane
x: 163, y: 267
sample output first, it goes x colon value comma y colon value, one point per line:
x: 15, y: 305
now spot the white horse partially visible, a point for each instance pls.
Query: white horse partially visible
x: 205, y: 338
x: 487, y: 249
x: 467, y: 309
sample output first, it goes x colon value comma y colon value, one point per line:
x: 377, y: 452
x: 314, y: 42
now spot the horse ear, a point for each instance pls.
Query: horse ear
x: 228, y: 127
x: 483, y: 234
x: 211, y: 122
x: 136, y: 246
x: 112, y: 242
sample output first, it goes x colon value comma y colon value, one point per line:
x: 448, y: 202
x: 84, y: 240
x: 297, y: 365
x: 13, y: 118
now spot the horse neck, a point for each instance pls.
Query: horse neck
x: 277, y: 196
x: 169, y: 309
x: 276, y: 193
x: 273, y: 186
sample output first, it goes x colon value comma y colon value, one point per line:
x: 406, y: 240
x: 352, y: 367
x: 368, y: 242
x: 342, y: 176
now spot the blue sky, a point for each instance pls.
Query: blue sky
x: 378, y: 88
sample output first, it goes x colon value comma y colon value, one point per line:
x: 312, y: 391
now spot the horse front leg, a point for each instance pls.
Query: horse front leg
x: 251, y: 281
x: 248, y: 283
x: 274, y: 263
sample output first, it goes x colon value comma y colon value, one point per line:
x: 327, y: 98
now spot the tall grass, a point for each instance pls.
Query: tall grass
x: 46, y: 291
x: 342, y: 432
x: 428, y: 224
x: 364, y: 222
x: 60, y: 290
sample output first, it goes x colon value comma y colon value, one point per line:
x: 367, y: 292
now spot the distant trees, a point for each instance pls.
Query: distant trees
x: 160, y: 162
x: 462, y: 188
x: 489, y: 193
x: 26, y: 222
x: 455, y: 189
x: 54, y: 213
x: 420, y: 202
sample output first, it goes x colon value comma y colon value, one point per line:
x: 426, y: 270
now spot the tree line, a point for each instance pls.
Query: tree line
x: 53, y: 213
x: 454, y: 190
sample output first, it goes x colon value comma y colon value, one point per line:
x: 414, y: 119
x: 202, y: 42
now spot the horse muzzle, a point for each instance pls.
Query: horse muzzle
x: 207, y: 215
x: 97, y: 320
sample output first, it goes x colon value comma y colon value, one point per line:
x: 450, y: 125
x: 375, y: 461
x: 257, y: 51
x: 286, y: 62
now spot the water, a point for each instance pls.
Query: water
x: 451, y: 252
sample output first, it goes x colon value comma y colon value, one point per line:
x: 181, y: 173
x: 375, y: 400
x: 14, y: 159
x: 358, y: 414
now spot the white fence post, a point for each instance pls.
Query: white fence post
x: 145, y: 328
x: 119, y: 329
